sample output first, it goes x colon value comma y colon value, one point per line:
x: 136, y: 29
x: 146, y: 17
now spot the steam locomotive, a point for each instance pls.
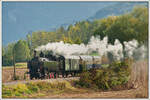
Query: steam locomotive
x: 42, y: 66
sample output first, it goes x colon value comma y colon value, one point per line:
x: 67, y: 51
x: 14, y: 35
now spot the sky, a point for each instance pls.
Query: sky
x: 20, y: 18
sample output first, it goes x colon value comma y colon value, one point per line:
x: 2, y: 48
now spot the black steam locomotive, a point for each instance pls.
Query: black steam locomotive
x: 43, y: 65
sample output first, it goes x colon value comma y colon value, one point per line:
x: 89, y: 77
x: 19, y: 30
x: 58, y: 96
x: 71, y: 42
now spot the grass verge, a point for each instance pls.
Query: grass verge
x: 36, y: 89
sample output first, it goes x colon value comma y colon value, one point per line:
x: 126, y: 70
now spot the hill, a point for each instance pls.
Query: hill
x: 116, y: 9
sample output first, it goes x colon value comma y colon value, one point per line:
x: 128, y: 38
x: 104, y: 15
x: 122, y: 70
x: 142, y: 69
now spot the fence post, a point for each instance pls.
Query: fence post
x: 14, y: 63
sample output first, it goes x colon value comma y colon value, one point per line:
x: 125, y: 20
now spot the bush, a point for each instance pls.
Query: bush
x: 85, y: 80
x: 32, y: 87
x: 20, y: 89
x: 116, y: 74
x: 101, y: 79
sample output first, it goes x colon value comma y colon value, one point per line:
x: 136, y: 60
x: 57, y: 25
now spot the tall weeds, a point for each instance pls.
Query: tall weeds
x: 139, y: 77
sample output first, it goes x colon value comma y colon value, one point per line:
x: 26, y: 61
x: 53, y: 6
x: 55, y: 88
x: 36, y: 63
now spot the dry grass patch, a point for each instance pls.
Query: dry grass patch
x: 31, y: 89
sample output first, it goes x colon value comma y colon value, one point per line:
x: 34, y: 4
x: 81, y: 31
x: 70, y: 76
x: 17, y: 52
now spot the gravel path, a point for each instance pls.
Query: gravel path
x: 47, y: 80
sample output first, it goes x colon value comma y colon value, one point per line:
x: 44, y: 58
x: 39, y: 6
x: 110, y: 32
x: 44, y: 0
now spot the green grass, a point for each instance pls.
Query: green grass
x: 18, y: 65
x: 21, y: 64
x: 94, y: 54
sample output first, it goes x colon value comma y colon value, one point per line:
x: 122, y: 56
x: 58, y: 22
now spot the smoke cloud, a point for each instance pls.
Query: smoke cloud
x: 132, y: 48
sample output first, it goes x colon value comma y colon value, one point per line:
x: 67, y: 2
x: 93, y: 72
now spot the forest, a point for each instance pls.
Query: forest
x: 126, y: 27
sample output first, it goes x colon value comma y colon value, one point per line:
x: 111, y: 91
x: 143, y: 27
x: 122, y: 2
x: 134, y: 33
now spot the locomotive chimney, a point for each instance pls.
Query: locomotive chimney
x: 41, y: 54
x: 34, y: 53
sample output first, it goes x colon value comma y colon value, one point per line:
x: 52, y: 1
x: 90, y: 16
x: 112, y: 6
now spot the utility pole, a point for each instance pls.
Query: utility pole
x: 14, y: 63
x: 30, y: 32
x: 31, y: 41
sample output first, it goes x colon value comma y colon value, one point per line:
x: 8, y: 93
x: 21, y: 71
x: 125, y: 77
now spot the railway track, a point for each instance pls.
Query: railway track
x: 44, y: 80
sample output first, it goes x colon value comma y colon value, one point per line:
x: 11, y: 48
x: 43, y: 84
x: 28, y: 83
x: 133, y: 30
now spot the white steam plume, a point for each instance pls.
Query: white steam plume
x: 132, y: 48
x: 64, y: 48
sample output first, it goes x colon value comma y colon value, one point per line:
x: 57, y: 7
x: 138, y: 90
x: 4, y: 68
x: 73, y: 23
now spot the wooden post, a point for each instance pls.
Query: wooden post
x: 30, y: 44
x: 14, y: 63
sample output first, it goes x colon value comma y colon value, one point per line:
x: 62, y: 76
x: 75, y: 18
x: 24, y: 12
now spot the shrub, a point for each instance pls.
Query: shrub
x: 20, y: 89
x: 32, y: 87
x: 85, y: 80
x: 116, y: 74
x: 101, y: 79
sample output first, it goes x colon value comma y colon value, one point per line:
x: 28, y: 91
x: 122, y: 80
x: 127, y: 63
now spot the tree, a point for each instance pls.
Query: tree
x: 105, y: 24
x: 3, y: 51
x: 126, y: 27
x: 22, y: 51
x: 141, y: 14
x: 122, y: 29
x: 7, y: 56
